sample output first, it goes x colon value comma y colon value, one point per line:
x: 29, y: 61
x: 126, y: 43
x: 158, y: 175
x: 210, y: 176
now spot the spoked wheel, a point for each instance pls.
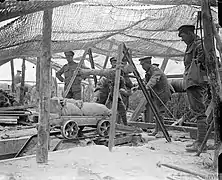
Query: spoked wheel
x: 103, y: 128
x: 69, y: 129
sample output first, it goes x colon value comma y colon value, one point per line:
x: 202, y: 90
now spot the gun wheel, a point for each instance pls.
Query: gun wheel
x: 103, y: 127
x: 69, y: 129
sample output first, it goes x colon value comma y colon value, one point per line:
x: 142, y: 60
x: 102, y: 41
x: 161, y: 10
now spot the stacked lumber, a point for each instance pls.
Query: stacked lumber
x: 11, y: 115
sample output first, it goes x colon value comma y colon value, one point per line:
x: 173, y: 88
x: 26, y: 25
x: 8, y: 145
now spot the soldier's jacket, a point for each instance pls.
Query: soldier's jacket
x: 68, y: 70
x: 194, y: 50
x: 128, y: 82
x: 157, y: 80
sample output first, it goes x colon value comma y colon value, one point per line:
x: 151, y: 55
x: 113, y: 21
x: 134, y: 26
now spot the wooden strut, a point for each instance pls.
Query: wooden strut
x: 92, y: 64
x: 147, y: 95
x: 21, y: 99
x: 75, y: 73
x: 115, y: 98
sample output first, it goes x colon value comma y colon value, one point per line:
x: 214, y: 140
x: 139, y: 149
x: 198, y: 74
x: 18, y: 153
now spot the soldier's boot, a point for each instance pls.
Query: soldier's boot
x: 201, y: 132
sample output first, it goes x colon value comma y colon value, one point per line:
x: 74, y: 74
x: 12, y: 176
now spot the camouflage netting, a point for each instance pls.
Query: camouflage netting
x: 98, y: 24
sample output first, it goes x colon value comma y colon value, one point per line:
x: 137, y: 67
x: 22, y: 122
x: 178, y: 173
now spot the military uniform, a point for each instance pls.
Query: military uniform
x: 157, y: 80
x: 67, y: 70
x: 196, y: 89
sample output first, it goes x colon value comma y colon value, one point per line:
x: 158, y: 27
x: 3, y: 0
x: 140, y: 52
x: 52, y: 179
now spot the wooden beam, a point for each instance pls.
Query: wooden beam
x: 138, y: 110
x: 174, y: 76
x: 115, y: 98
x: 75, y: 73
x: 21, y: 99
x: 212, y: 68
x: 13, y: 75
x: 44, y: 89
x: 92, y: 64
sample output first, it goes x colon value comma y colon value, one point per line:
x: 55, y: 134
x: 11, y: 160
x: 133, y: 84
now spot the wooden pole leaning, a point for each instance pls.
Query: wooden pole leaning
x: 75, y: 73
x: 92, y: 64
x: 115, y: 98
x: 13, y: 75
x: 147, y: 96
x: 44, y: 90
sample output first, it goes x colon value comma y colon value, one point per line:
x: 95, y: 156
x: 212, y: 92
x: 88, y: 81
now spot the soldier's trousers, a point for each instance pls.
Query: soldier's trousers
x: 196, y: 96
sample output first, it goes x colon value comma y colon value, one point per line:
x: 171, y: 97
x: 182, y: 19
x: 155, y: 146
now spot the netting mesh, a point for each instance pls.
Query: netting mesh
x: 150, y: 32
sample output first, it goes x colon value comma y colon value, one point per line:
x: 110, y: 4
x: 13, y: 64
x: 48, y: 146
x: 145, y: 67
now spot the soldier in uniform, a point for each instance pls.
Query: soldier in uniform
x: 157, y: 80
x: 195, y: 89
x: 104, y: 93
x: 67, y: 70
x: 18, y: 77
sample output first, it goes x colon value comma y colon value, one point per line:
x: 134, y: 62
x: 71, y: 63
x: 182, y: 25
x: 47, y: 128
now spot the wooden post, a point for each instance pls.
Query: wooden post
x: 22, y: 87
x: 115, y: 98
x: 107, y: 57
x: 13, y: 76
x: 37, y: 78
x: 44, y: 89
x: 211, y: 67
x: 75, y: 73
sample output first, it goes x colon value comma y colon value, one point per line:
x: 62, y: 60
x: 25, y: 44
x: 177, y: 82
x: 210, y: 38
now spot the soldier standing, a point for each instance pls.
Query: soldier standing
x: 195, y: 83
x: 67, y: 70
x: 157, y: 80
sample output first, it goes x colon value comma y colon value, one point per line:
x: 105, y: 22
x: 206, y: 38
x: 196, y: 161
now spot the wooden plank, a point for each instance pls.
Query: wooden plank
x: 142, y: 125
x: 44, y: 90
x: 13, y: 75
x: 37, y: 78
x: 8, y: 121
x: 9, y: 117
x: 174, y: 76
x: 131, y: 129
x: 17, y: 107
x: 115, y: 98
x: 123, y: 140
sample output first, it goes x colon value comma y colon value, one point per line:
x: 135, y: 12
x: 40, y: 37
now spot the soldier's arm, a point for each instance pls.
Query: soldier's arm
x: 59, y: 74
x: 154, y: 79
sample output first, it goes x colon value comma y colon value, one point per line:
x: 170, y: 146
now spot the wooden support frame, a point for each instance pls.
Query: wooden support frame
x: 43, y: 126
x: 37, y: 77
x: 211, y: 67
x: 13, y: 75
x: 75, y: 73
x: 115, y: 98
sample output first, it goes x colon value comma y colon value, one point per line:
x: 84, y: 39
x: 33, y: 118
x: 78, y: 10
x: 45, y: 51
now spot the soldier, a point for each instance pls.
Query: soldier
x: 157, y: 80
x: 18, y: 77
x: 195, y: 88
x: 104, y: 93
x: 67, y: 70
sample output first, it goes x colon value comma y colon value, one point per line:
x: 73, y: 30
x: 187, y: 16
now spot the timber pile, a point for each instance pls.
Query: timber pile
x: 12, y: 115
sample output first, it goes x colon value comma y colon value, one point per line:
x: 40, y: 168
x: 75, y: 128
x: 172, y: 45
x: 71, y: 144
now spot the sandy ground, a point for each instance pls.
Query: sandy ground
x: 123, y: 163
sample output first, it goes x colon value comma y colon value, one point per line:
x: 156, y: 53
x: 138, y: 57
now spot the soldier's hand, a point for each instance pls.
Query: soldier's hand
x: 134, y: 89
